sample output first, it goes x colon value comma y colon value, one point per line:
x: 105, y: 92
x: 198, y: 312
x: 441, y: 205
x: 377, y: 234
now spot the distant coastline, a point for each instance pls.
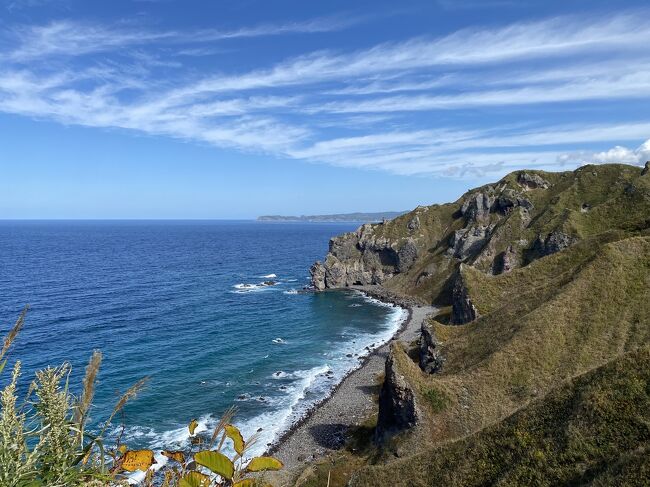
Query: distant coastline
x: 340, y: 217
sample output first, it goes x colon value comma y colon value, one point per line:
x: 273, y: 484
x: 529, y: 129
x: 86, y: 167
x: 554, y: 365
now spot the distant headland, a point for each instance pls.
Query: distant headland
x: 340, y: 217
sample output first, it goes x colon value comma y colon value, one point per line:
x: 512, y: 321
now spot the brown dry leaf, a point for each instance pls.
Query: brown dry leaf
x: 138, y: 460
x: 192, y: 426
x: 176, y: 455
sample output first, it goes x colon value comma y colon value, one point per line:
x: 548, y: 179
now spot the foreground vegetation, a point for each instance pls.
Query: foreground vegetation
x: 45, y: 439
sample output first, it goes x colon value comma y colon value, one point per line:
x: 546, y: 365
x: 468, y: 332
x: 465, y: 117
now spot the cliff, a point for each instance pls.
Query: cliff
x: 496, y: 228
x: 533, y: 371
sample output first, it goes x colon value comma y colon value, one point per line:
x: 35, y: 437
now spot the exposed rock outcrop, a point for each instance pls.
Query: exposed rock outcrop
x: 510, y: 199
x: 407, y: 255
x: 553, y: 243
x: 477, y: 207
x: 494, y: 228
x: 413, y: 224
x: 363, y: 258
x: 646, y: 169
x: 462, y: 309
x: 430, y: 359
x: 532, y: 181
x: 317, y: 272
x: 506, y: 261
x: 467, y: 242
x: 397, y: 406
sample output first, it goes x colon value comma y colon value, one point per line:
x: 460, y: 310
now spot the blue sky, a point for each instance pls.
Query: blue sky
x: 235, y: 108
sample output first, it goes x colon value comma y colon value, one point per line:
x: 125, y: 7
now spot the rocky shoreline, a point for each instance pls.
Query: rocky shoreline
x: 324, y: 428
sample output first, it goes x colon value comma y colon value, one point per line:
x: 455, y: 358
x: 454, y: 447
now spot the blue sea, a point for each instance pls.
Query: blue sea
x: 183, y: 302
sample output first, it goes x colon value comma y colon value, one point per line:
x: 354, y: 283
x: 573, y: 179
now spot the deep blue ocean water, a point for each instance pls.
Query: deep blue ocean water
x: 181, y: 302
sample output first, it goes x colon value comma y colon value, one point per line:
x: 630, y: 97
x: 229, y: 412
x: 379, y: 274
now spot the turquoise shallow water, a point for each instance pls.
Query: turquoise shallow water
x: 181, y: 302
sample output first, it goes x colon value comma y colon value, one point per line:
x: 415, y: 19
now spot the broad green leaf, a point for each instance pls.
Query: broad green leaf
x: 192, y: 426
x: 259, y: 464
x: 217, y: 462
x: 194, y: 479
x: 178, y: 456
x: 238, y: 440
x: 137, y: 460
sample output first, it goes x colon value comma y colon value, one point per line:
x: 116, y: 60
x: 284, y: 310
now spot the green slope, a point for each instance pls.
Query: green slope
x: 592, y: 430
x: 550, y: 385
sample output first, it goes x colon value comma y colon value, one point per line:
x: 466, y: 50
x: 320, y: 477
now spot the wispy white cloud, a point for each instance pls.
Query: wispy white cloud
x: 373, y: 108
x: 448, y: 152
x: 73, y: 38
x: 553, y: 38
x: 633, y: 85
x: 21, y: 4
x: 476, y: 4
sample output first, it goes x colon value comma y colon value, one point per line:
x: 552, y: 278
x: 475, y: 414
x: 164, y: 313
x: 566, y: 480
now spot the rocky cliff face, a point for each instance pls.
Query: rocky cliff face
x: 495, y: 228
x: 397, y: 404
x: 363, y: 257
x: 431, y: 360
x: 462, y: 309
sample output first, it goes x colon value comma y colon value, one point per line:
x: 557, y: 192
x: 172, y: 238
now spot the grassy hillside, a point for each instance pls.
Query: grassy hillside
x: 584, y: 203
x: 549, y: 384
x: 592, y: 430
x: 539, y: 329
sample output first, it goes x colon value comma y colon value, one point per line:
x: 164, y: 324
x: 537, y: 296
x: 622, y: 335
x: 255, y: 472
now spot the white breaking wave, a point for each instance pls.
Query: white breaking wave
x: 320, y: 381
x: 249, y: 288
x: 269, y: 276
